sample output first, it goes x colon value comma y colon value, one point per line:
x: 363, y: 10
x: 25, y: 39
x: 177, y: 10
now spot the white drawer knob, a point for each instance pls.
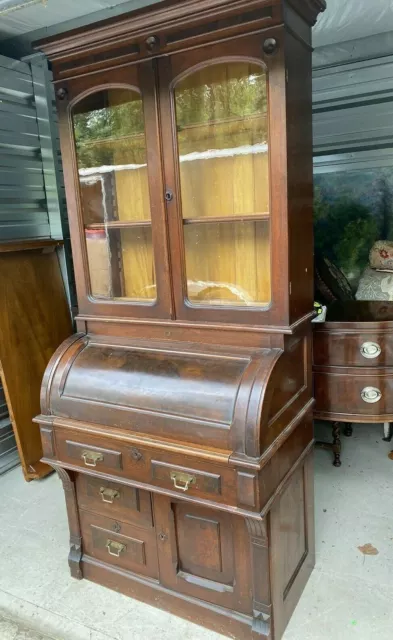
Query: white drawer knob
x: 371, y: 394
x: 370, y: 350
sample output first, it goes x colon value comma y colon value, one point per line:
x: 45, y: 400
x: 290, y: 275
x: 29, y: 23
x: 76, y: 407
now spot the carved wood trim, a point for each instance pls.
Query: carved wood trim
x: 145, y: 22
x: 75, y: 554
x: 47, y: 439
x: 257, y: 530
x: 260, y: 570
x: 171, y: 15
x: 247, y: 488
x: 51, y: 369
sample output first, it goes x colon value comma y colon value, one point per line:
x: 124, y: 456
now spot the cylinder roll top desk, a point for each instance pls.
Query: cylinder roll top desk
x: 179, y: 417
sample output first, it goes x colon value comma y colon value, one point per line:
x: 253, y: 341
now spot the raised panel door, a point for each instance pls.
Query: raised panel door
x: 203, y: 553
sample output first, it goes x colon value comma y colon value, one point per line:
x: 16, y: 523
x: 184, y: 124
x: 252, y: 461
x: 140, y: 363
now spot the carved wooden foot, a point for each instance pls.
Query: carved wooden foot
x: 348, y: 429
x: 388, y: 431
x: 336, y: 444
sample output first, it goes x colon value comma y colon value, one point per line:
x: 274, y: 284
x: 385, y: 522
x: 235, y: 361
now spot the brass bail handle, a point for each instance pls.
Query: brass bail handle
x: 115, y: 548
x: 109, y: 495
x: 91, y: 458
x: 182, y: 480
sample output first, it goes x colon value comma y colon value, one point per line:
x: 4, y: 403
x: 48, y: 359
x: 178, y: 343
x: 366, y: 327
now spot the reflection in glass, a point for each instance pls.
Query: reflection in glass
x: 221, y: 118
x: 114, y: 192
x: 228, y: 264
x: 121, y: 263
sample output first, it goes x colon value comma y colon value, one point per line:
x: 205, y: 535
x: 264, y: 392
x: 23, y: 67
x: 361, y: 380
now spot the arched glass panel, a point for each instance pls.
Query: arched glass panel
x: 222, y: 132
x: 111, y: 154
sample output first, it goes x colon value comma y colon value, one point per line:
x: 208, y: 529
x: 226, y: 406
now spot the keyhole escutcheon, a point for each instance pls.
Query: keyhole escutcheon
x: 169, y: 195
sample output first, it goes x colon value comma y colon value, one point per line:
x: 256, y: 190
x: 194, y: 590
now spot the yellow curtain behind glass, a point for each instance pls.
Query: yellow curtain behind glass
x: 224, y: 169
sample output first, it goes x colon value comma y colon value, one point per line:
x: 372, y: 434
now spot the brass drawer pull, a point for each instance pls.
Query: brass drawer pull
x: 90, y: 458
x: 370, y: 350
x: 109, y: 495
x: 182, y: 481
x: 371, y: 394
x: 115, y: 548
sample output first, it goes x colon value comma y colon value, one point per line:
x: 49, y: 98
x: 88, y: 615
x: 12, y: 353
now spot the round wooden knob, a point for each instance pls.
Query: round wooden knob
x: 270, y: 46
x: 62, y: 93
x: 152, y: 43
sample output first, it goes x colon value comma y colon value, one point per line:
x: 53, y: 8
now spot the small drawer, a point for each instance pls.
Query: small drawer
x: 354, y: 392
x: 343, y: 349
x: 119, y: 544
x: 88, y: 452
x: 193, y: 480
x: 114, y: 500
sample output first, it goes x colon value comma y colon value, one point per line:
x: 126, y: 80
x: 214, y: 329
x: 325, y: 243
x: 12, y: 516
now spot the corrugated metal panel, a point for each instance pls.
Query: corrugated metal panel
x: 23, y: 202
x: 44, y: 108
x: 353, y: 115
x: 8, y: 452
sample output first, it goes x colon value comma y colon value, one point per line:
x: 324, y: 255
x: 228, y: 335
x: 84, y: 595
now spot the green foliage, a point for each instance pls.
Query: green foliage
x: 385, y: 209
x: 344, y: 232
x: 213, y: 97
x: 320, y: 206
x: 109, y: 126
x: 98, y: 131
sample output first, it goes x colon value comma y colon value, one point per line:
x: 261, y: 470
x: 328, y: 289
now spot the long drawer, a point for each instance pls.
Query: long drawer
x: 347, y: 349
x: 124, y: 545
x: 354, y: 392
x: 115, y: 458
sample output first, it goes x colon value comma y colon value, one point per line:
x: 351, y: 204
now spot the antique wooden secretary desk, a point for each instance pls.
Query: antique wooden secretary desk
x: 180, y: 416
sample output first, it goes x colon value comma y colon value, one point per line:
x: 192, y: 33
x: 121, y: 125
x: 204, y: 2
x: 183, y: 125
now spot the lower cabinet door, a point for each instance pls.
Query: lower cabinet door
x: 204, y: 553
x: 119, y: 543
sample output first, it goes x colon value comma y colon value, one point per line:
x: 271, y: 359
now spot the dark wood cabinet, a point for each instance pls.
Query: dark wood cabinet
x: 353, y: 365
x: 180, y: 416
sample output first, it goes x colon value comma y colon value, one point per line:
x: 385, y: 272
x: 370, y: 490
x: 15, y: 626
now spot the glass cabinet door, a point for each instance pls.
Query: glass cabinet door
x: 220, y: 166
x: 110, y: 141
x: 222, y: 142
x: 120, y: 237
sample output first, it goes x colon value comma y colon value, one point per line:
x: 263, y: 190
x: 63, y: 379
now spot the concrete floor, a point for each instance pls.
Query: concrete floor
x: 350, y: 595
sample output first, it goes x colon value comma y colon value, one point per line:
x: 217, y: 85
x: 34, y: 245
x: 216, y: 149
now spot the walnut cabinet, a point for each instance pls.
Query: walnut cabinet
x: 179, y: 417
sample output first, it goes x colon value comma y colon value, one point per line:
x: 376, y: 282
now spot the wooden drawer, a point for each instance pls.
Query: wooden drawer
x: 353, y: 392
x: 120, y: 544
x: 344, y: 349
x: 183, y: 474
x: 185, y: 479
x: 88, y: 452
x: 114, y: 500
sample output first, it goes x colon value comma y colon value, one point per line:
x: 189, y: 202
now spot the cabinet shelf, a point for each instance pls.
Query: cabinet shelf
x: 117, y: 224
x: 255, y: 217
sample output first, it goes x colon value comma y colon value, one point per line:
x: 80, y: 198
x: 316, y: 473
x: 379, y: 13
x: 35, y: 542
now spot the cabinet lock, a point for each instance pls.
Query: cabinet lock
x: 169, y: 195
